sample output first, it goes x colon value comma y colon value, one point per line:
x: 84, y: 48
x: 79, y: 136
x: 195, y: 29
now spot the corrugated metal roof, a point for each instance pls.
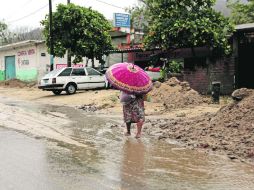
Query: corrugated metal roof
x: 20, y: 44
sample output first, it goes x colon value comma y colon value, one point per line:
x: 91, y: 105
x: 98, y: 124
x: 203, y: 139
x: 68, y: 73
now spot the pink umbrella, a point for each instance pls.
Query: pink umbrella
x: 129, y: 78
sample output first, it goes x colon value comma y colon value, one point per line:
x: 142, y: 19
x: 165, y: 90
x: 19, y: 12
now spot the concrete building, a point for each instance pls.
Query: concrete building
x: 201, y: 68
x: 24, y: 60
x: 29, y: 61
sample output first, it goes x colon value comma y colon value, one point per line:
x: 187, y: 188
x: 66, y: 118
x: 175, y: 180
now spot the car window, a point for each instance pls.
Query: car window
x: 52, y: 73
x: 92, y: 71
x: 66, y: 72
x: 78, y: 72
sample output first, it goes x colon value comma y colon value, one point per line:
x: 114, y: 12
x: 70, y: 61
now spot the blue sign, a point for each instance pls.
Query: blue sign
x: 122, y: 20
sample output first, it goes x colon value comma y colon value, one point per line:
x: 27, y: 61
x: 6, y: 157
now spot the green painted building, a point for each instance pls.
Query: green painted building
x: 25, y: 60
x: 29, y: 61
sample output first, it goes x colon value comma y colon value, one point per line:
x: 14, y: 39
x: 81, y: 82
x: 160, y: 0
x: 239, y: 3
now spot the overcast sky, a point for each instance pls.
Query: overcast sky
x: 19, y: 13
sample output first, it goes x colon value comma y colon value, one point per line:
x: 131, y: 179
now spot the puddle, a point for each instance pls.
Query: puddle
x: 108, y: 160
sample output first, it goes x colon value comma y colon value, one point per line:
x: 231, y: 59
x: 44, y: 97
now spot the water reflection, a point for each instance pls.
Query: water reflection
x: 132, y: 166
x: 23, y: 163
x: 110, y: 162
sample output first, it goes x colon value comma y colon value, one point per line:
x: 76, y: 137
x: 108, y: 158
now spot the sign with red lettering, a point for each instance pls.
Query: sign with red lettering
x: 28, y: 52
x: 59, y: 66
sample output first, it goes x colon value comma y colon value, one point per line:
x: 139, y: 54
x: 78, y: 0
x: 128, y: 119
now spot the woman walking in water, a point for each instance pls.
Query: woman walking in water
x: 133, y: 112
x: 134, y: 83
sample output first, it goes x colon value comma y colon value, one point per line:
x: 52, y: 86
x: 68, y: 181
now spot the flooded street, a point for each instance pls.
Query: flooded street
x: 54, y: 148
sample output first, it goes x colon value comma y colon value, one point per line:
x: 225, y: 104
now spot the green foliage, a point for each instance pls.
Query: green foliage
x: 163, y: 74
x: 82, y: 31
x: 3, y: 29
x: 187, y: 23
x: 175, y: 66
x: 241, y: 13
x: 139, y: 17
x: 170, y: 66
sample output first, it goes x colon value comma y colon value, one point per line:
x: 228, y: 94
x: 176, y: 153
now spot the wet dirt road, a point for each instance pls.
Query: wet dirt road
x: 45, y: 147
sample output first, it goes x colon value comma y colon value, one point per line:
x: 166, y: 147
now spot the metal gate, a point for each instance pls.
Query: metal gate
x: 10, y: 69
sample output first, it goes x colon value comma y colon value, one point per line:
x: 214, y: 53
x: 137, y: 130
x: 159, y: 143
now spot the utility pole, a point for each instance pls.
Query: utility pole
x: 68, y: 51
x: 51, y: 37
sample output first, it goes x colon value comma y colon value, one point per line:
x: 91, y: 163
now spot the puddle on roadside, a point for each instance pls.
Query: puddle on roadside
x: 110, y: 160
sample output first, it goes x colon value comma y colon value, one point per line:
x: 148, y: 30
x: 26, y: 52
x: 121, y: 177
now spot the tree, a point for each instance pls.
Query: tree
x: 18, y: 34
x: 80, y: 30
x: 241, y: 12
x: 187, y: 23
x: 3, y: 30
x: 26, y: 33
x: 139, y: 17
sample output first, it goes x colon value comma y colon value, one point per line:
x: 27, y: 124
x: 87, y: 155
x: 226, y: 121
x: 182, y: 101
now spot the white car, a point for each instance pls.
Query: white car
x: 154, y: 75
x: 71, y: 79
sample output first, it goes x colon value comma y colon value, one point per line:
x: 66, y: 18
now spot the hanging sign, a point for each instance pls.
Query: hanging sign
x: 122, y: 20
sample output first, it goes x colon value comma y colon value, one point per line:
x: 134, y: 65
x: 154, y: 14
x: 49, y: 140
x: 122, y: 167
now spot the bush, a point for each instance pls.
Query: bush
x: 175, y: 66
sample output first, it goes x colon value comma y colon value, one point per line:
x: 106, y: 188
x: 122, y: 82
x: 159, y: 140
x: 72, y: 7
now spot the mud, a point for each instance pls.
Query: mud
x: 14, y: 83
x: 36, y: 122
x: 225, y: 130
x: 174, y: 94
x: 89, y: 108
x: 228, y: 131
x: 58, y: 147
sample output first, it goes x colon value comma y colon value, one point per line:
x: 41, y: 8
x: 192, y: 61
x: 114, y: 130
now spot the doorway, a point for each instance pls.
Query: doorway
x: 10, y: 68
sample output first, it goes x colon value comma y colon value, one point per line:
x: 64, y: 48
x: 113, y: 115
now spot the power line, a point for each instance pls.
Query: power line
x: 30, y: 14
x: 34, y: 12
x: 23, y: 5
x: 110, y: 4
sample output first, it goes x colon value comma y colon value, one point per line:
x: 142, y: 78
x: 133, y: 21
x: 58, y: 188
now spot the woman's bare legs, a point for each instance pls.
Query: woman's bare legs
x: 128, y: 126
x: 139, y: 128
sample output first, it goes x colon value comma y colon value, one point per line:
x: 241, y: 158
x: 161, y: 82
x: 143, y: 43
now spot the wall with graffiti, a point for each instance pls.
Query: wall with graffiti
x: 25, y: 62
x: 32, y: 60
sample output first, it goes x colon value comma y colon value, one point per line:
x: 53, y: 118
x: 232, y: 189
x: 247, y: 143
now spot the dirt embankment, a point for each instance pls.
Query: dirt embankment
x: 14, y: 83
x: 229, y: 131
x: 174, y: 94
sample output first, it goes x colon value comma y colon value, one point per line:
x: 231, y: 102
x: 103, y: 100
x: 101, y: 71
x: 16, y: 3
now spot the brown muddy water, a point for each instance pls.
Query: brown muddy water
x: 86, y: 153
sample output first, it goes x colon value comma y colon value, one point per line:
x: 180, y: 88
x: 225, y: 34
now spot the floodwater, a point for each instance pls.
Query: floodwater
x: 86, y: 153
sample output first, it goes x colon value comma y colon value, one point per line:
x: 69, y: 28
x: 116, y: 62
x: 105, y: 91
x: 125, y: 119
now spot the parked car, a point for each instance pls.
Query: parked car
x: 155, y: 76
x: 71, y: 79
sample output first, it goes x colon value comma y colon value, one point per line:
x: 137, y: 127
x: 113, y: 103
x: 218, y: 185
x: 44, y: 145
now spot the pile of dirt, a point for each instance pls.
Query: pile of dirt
x: 14, y: 83
x: 229, y: 131
x: 175, y: 94
x: 236, y: 122
x: 238, y: 114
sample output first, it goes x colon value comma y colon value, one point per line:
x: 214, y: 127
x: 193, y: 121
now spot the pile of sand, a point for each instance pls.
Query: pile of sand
x: 175, y: 94
x: 238, y: 114
x: 230, y: 130
x: 235, y: 124
x: 13, y: 83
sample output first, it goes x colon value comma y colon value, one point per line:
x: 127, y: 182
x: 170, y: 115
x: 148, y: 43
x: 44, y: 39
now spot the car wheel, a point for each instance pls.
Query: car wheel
x: 57, y: 92
x: 71, y: 88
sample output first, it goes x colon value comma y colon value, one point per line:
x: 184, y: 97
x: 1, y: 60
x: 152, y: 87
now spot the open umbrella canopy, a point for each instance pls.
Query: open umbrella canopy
x: 129, y: 78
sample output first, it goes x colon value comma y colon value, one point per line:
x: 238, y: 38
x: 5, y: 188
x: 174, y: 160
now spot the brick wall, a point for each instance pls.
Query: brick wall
x: 223, y: 70
x: 201, y: 76
x: 198, y: 78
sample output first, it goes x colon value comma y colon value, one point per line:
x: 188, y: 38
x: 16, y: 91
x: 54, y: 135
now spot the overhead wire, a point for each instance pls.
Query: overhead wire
x: 112, y: 5
x: 30, y: 14
x: 34, y: 12
x: 22, y: 5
